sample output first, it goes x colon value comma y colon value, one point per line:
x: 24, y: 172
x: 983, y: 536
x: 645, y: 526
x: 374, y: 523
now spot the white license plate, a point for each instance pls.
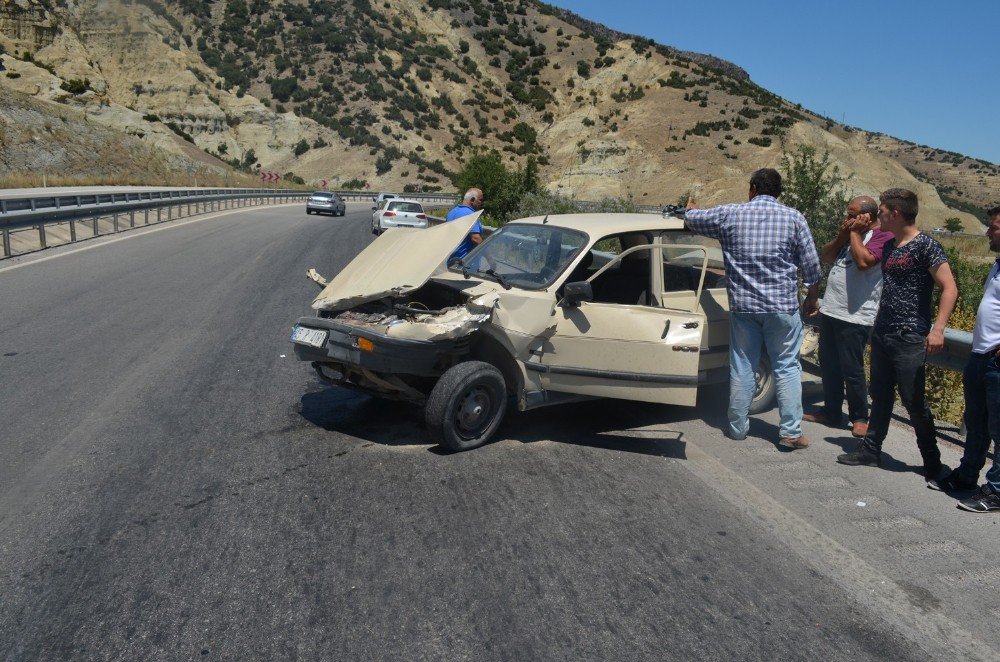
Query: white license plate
x: 306, y: 336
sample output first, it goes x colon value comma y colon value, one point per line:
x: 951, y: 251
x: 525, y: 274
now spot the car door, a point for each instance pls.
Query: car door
x: 681, y: 261
x: 634, y: 351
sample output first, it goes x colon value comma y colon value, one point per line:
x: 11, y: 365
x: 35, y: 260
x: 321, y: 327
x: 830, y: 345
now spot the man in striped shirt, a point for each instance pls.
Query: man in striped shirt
x: 764, y: 244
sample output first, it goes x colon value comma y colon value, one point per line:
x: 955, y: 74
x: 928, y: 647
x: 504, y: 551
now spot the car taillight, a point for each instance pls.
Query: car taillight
x: 421, y: 216
x: 389, y: 213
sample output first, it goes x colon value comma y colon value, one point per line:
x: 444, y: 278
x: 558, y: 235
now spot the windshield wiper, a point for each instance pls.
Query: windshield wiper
x: 500, y: 279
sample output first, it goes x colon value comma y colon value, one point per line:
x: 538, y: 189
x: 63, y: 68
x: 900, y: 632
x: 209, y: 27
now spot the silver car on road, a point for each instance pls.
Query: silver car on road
x: 325, y: 202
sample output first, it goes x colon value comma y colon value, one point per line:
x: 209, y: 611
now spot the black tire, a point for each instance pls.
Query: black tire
x: 466, y: 405
x: 766, y: 389
x: 309, y: 212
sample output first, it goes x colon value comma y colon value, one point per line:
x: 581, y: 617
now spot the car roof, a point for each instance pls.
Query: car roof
x: 323, y: 193
x: 603, y: 224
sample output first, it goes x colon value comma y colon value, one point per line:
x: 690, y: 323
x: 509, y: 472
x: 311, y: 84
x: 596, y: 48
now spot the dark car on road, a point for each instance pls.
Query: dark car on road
x: 325, y: 202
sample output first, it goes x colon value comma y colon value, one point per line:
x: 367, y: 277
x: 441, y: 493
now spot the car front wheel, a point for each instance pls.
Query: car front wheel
x: 466, y: 405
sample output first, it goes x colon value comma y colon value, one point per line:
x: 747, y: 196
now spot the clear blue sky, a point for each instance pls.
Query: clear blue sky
x: 923, y: 71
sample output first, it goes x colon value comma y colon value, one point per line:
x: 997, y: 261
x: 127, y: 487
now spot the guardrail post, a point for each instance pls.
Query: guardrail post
x: 145, y: 219
x: 95, y: 225
x: 6, y: 243
x: 170, y: 213
x: 72, y: 230
x: 131, y: 219
x: 41, y: 235
x: 114, y: 221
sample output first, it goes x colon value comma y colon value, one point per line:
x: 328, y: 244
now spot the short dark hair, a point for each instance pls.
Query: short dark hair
x: 993, y: 211
x: 902, y: 200
x: 767, y: 181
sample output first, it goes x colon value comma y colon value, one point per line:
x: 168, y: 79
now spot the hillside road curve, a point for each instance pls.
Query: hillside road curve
x: 175, y: 485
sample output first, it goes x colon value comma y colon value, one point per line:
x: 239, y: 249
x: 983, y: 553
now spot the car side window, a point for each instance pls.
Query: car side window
x: 682, y: 267
x: 627, y: 280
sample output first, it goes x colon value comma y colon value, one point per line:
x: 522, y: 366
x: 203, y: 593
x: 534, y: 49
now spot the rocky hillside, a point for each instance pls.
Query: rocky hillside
x: 397, y: 93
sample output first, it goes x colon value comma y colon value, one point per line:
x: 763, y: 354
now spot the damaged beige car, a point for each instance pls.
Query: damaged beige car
x: 545, y: 310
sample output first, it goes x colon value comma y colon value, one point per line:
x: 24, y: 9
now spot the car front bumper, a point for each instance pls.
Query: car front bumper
x: 387, y: 355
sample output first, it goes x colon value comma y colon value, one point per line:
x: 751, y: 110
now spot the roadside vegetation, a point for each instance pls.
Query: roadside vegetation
x: 816, y: 188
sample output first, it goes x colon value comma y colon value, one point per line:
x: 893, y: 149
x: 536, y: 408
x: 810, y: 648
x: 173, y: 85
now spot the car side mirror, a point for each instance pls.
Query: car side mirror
x: 374, y: 208
x: 576, y: 293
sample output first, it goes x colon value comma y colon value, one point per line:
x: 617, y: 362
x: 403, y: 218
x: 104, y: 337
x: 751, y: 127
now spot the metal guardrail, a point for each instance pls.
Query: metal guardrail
x: 442, y: 198
x: 40, y: 212
x: 957, y: 347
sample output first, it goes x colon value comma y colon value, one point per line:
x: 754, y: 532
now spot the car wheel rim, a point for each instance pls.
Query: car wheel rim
x: 474, y: 411
x: 759, y: 382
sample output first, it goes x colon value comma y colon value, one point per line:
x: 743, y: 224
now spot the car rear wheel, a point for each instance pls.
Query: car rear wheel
x: 765, y: 389
x: 466, y: 405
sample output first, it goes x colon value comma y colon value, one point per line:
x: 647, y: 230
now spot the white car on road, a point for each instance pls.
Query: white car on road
x: 398, y: 213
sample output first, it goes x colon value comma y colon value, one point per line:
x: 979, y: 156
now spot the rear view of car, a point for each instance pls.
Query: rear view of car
x: 324, y: 202
x: 396, y: 213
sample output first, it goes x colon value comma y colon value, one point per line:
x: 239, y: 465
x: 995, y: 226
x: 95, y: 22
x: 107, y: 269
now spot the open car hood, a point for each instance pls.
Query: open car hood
x: 399, y: 261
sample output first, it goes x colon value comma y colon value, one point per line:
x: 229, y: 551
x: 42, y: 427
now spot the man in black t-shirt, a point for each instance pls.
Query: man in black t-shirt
x: 904, y: 335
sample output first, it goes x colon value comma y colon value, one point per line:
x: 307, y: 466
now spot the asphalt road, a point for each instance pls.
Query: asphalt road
x: 174, y: 485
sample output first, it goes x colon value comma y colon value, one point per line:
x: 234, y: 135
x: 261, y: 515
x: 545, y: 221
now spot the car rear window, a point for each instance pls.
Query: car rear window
x: 412, y: 207
x: 322, y: 195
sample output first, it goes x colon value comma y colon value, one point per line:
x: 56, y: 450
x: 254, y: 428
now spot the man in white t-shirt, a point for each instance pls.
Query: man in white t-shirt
x: 853, y: 289
x: 981, y: 381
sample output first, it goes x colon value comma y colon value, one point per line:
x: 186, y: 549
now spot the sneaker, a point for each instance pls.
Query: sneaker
x: 859, y: 429
x: 821, y: 418
x: 934, y: 471
x: 864, y: 456
x: 984, y: 502
x: 794, y: 443
x: 951, y: 483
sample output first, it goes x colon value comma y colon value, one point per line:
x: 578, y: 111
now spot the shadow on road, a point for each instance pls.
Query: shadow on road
x: 632, y: 427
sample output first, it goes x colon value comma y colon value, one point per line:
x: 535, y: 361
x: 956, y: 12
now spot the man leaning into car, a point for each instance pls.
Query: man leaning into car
x: 765, y: 245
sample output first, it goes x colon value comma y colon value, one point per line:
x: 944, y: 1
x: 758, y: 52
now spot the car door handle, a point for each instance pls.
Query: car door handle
x: 666, y: 329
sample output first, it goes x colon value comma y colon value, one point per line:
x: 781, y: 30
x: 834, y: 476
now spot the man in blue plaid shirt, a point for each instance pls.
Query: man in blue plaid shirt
x: 765, y: 244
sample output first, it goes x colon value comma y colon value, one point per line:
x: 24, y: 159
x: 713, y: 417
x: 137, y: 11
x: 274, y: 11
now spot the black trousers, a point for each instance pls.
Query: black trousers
x: 898, y: 363
x: 842, y: 367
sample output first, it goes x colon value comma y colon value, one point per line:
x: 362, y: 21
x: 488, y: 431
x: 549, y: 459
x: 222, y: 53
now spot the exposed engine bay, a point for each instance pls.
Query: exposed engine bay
x: 433, y: 312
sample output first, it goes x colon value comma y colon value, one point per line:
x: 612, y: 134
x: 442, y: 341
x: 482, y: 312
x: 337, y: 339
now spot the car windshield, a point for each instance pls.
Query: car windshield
x: 526, y: 256
x: 412, y: 207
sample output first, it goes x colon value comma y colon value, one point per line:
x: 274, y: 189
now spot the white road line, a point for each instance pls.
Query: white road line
x: 147, y: 231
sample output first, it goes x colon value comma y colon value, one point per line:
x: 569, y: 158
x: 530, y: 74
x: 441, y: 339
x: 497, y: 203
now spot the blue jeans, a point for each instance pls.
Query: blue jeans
x: 982, y: 419
x: 781, y: 334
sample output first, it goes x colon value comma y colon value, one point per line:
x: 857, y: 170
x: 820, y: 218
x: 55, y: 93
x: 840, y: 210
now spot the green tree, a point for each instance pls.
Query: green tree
x: 815, y: 187
x: 502, y: 187
x: 529, y: 177
x: 953, y: 224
